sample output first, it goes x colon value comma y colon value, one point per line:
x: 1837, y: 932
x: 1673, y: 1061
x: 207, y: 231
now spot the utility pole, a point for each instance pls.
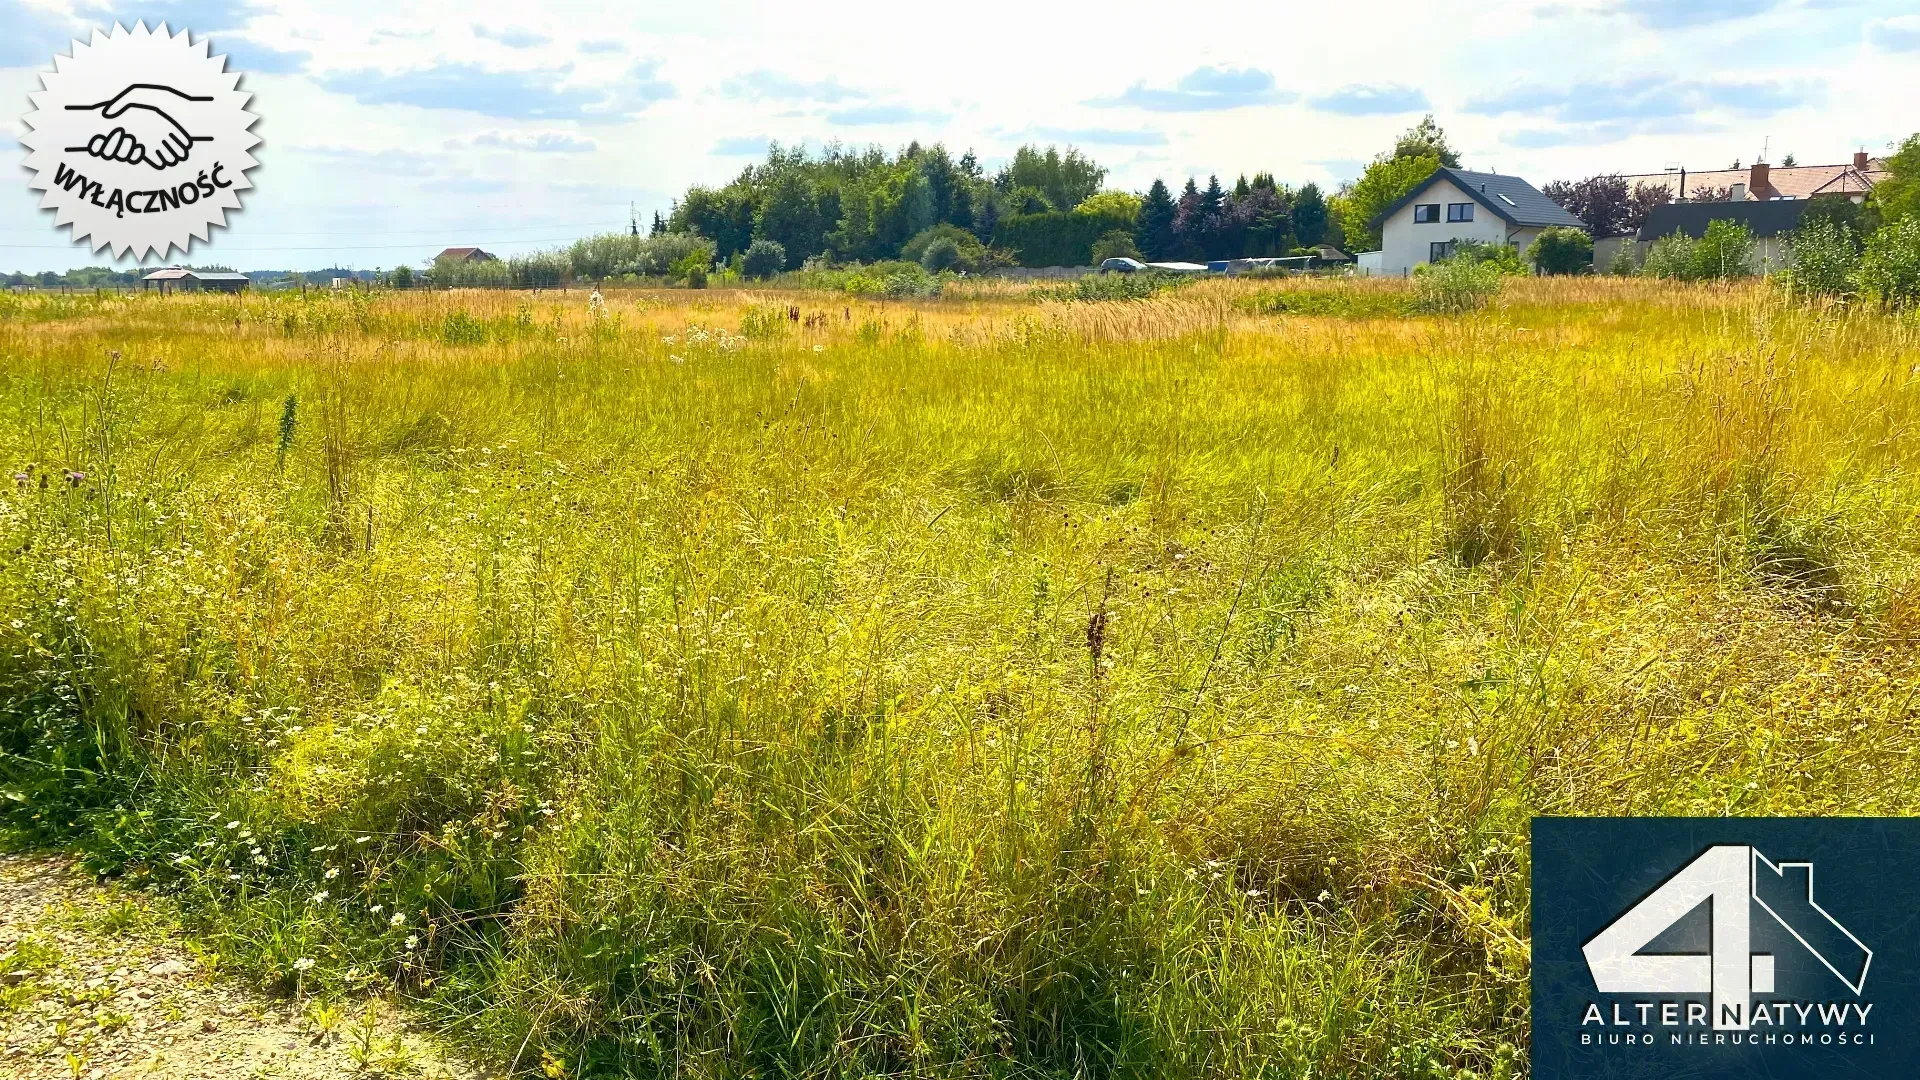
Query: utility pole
x: 633, y: 219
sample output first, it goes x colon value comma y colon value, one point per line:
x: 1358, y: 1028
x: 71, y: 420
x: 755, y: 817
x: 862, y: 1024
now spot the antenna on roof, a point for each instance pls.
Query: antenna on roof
x: 1764, y: 145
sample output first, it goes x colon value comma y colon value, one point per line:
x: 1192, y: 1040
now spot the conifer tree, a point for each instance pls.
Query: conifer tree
x: 1153, y: 232
x: 1309, y: 215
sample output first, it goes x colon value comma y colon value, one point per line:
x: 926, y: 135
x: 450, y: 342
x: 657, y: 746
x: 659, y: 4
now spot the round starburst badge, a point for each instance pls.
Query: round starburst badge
x: 140, y: 141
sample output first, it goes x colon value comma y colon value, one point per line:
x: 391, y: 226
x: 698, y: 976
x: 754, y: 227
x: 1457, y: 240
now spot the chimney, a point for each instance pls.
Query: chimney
x: 1757, y: 179
x: 1738, y: 193
x: 1860, y: 160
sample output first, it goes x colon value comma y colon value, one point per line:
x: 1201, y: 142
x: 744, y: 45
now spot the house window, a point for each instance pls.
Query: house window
x: 1425, y: 213
x: 1440, y: 249
x: 1459, y: 211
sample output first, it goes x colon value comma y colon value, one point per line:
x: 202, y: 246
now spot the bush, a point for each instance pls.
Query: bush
x: 1621, y: 265
x: 1822, y: 259
x: 1562, y: 250
x: 670, y: 253
x: 1501, y: 257
x: 1726, y: 251
x: 763, y: 259
x: 1097, y: 287
x: 1117, y: 244
x: 1890, y: 267
x: 692, y: 267
x: 942, y: 254
x: 1454, y: 286
x: 1860, y: 219
x: 401, y: 277
x: 899, y: 280
x: 460, y: 328
x: 1669, y: 257
x: 971, y: 254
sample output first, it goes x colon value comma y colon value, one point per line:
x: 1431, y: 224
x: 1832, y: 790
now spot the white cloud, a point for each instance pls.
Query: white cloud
x: 384, y: 125
x: 1204, y: 89
x: 1898, y: 34
x: 538, y: 142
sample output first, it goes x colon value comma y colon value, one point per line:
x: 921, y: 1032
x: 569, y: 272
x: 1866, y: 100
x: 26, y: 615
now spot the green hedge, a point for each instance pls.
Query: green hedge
x: 1055, y: 238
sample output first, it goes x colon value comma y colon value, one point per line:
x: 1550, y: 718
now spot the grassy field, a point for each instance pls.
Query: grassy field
x: 975, y: 686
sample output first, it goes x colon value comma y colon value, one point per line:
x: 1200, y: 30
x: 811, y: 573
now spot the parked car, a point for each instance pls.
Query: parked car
x: 1121, y: 266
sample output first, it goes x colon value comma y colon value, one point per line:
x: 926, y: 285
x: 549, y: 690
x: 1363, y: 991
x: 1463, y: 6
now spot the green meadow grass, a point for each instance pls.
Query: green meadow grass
x: 777, y: 684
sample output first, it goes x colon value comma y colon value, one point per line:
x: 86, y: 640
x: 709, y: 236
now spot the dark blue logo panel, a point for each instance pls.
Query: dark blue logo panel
x: 1726, y: 948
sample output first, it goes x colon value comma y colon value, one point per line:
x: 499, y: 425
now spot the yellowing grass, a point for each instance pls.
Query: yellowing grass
x: 975, y: 686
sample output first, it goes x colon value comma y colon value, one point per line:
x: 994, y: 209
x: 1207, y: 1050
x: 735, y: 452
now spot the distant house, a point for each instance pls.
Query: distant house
x: 181, y: 279
x: 1762, y: 182
x: 1770, y: 222
x: 1454, y: 205
x: 465, y: 255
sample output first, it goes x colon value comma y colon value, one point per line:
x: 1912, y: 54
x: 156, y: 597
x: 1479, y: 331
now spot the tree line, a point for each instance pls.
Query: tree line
x: 1046, y: 206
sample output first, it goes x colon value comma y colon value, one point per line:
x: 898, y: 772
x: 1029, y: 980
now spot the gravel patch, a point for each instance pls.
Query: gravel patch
x: 96, y: 982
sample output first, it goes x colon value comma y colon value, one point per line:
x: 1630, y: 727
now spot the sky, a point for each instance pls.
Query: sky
x: 393, y: 130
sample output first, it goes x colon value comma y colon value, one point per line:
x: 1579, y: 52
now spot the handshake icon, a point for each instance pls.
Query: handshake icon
x: 144, y: 130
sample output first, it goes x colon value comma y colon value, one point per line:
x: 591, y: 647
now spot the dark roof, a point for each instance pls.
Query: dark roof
x: 468, y: 254
x: 1511, y: 199
x: 1770, y: 218
x: 181, y: 273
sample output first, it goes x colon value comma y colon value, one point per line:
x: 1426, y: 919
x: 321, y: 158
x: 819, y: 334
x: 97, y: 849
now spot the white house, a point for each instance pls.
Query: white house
x: 1453, y: 205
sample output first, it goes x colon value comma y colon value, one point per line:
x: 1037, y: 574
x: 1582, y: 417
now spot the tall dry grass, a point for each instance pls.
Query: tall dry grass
x: 775, y: 682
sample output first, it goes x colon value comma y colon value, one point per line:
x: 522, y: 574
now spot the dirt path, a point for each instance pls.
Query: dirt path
x: 95, y: 983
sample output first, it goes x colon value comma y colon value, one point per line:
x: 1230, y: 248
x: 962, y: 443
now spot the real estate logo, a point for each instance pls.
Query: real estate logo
x: 140, y: 141
x: 1728, y: 947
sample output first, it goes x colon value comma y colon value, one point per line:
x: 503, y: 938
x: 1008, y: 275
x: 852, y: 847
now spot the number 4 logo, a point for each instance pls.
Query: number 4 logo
x: 1732, y: 878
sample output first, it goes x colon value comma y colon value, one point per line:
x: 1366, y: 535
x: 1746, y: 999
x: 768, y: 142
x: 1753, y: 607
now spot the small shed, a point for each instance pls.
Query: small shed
x: 182, y: 279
